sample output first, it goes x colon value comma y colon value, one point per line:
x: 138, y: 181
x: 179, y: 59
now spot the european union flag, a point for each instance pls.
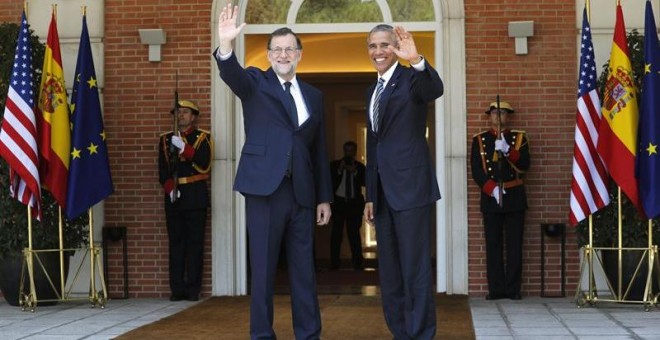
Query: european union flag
x: 648, y: 159
x: 89, y: 170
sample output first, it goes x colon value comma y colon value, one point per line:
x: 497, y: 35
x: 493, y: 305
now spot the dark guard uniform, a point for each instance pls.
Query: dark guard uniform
x: 186, y: 217
x: 489, y: 170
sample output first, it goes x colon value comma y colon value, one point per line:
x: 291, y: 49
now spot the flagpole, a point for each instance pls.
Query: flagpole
x: 651, y: 259
x: 590, y: 256
x: 32, y: 297
x: 60, y: 225
x: 92, y: 256
x: 620, y: 242
x: 59, y: 212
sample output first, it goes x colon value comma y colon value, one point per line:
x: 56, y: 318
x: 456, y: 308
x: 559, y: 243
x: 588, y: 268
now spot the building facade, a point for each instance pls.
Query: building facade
x: 466, y: 40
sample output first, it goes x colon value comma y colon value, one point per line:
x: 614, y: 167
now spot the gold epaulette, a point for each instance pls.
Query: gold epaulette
x: 205, y: 131
x: 480, y: 133
x: 518, y: 131
x: 166, y: 133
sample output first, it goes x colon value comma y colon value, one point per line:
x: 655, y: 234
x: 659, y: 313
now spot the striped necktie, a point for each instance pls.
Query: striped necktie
x: 376, y: 114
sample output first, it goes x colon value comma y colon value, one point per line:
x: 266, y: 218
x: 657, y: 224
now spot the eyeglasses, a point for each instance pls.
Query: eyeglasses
x: 290, y: 51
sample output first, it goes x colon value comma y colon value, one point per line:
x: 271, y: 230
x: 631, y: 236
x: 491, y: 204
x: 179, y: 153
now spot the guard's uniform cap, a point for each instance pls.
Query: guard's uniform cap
x: 188, y: 104
x: 503, y: 106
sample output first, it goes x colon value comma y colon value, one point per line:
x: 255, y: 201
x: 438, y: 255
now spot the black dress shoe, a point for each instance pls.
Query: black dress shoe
x: 176, y: 297
x: 494, y: 297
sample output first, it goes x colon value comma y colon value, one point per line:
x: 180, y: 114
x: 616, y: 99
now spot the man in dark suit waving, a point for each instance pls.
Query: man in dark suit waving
x: 401, y: 183
x: 283, y: 173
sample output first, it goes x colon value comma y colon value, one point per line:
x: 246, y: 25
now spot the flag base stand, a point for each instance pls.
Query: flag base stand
x: 32, y: 264
x: 592, y: 257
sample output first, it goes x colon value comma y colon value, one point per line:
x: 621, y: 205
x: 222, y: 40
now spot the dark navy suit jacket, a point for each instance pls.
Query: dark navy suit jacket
x: 398, y: 153
x: 271, y: 136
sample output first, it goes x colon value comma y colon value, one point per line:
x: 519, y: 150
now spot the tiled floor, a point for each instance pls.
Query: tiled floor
x: 559, y: 318
x: 78, y: 320
x: 530, y: 318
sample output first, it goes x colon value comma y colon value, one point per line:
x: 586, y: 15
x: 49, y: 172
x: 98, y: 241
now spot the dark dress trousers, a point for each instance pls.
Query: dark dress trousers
x: 402, y: 185
x: 284, y: 174
x: 186, y: 218
x: 502, y: 225
x: 347, y: 209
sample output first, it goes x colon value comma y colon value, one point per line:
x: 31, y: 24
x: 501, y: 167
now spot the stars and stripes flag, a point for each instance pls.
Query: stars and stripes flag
x: 53, y: 119
x: 648, y: 158
x: 18, y: 135
x: 617, y: 139
x: 590, y: 180
x: 89, y: 173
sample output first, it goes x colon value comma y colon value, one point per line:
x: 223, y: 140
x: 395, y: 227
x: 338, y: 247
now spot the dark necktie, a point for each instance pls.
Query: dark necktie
x: 293, y: 109
x: 376, y: 106
x: 348, y: 185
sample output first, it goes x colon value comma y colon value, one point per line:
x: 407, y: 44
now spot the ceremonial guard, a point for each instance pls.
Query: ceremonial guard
x: 499, y: 159
x: 184, y: 161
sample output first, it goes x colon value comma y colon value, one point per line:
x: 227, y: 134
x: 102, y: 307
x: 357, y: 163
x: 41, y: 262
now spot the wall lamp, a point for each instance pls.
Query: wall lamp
x: 521, y: 30
x: 154, y: 38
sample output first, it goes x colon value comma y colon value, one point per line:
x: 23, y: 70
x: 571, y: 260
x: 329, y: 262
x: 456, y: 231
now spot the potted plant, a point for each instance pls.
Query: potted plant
x: 634, y: 232
x: 13, y: 214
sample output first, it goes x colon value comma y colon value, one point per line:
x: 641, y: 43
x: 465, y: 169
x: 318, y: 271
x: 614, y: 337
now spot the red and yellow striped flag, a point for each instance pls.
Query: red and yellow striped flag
x: 53, y: 114
x: 617, y: 141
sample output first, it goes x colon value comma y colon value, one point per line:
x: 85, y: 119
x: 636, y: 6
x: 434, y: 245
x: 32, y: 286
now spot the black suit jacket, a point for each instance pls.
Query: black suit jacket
x: 398, y: 154
x: 358, y: 179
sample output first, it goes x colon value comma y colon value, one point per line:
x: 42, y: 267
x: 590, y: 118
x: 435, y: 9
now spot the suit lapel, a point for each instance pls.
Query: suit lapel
x: 369, y: 93
x: 275, y: 89
x: 391, y: 86
x: 307, y: 98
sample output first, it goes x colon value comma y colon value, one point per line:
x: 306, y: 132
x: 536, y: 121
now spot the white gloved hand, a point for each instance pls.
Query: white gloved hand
x: 496, y: 194
x: 502, y: 145
x: 178, y: 142
x: 178, y: 195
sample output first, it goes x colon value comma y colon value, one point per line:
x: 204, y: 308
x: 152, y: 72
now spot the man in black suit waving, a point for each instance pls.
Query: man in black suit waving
x: 283, y: 173
x: 401, y: 183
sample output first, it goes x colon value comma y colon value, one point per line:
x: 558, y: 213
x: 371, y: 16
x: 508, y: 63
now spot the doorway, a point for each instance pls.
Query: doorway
x: 345, y: 118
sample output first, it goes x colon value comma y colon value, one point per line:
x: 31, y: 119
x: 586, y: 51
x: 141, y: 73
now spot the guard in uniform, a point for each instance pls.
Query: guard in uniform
x: 184, y: 161
x: 499, y: 161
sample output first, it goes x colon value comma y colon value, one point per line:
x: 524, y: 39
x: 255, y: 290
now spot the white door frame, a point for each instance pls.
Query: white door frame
x: 229, y: 236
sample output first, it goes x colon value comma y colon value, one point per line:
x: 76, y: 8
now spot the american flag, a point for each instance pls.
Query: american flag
x: 590, y: 180
x: 18, y: 144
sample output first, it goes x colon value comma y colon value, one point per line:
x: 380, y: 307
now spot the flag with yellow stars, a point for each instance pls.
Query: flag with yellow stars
x: 89, y: 171
x: 648, y: 159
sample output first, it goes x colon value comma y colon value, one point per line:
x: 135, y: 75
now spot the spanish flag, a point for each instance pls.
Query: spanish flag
x: 617, y: 142
x: 53, y: 114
